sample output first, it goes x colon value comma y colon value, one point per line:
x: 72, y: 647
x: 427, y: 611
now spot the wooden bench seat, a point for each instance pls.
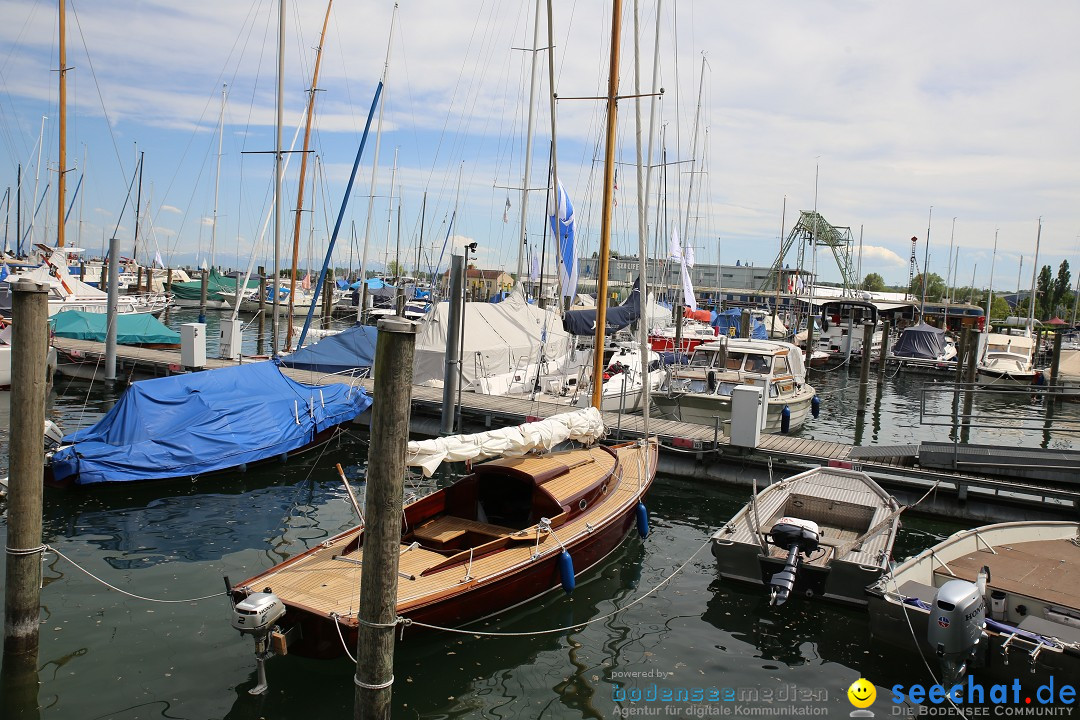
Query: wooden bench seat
x: 448, y: 528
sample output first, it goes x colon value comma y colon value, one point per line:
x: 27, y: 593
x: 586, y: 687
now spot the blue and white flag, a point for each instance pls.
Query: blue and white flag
x: 562, y: 224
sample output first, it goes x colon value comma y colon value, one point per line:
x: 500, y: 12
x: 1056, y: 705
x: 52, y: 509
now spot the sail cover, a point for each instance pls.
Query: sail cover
x: 349, y: 351
x: 583, y: 322
x: 586, y: 425
x: 187, y: 425
x: 920, y: 341
x: 131, y: 328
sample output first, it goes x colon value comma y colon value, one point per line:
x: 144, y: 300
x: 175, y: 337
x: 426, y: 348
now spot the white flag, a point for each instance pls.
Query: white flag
x: 674, y: 247
x: 534, y: 270
x: 689, y: 256
x: 688, y: 289
x: 157, y: 259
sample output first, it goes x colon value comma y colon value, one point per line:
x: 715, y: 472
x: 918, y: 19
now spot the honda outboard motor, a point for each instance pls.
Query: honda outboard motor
x: 796, y: 537
x: 256, y: 615
x: 955, y: 627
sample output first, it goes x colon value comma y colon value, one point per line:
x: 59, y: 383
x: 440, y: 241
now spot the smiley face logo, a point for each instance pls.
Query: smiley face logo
x: 862, y: 693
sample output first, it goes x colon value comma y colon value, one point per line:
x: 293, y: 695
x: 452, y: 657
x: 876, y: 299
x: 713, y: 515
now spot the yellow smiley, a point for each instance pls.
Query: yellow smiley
x: 862, y: 693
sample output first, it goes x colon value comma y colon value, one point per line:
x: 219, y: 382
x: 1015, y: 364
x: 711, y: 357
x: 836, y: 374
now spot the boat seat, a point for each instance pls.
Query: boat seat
x: 914, y: 589
x: 1050, y: 629
x: 448, y: 528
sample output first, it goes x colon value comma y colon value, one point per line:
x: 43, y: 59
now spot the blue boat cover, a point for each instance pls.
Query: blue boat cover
x: 729, y: 323
x: 187, y: 425
x: 131, y: 328
x: 583, y: 322
x: 349, y: 351
x: 920, y: 341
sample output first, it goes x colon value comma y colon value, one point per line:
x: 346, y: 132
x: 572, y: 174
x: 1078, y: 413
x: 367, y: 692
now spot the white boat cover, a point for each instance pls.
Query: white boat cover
x: 585, y: 425
x: 498, y: 338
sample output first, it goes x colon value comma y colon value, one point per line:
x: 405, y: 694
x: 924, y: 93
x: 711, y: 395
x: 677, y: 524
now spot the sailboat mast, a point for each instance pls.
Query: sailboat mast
x: 554, y: 154
x: 303, y: 173
x: 61, y: 187
x: 217, y: 175
x: 277, y: 178
x: 138, y: 210
x: 375, y: 157
x: 1034, y: 275
x: 529, y: 141
x: 605, y: 221
x: 644, y: 175
x: 693, y: 160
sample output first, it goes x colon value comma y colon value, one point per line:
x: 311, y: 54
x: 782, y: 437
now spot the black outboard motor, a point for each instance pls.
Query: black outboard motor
x: 797, y: 537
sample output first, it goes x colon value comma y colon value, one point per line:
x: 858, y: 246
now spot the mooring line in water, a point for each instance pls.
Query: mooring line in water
x: 406, y: 622
x: 50, y: 548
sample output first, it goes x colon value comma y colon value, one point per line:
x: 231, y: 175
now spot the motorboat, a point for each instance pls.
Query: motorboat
x: 842, y: 323
x: 701, y: 391
x: 999, y: 599
x: 1007, y: 360
x: 826, y: 532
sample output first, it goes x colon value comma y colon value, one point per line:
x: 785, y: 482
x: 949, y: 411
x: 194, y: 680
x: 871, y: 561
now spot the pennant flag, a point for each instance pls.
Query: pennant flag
x: 674, y: 246
x: 562, y: 224
x: 689, y: 256
x: 534, y: 270
x: 688, y: 289
x: 506, y: 212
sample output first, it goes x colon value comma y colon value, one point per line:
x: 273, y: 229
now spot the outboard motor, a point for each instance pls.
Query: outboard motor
x: 53, y: 435
x: 256, y: 615
x: 797, y: 537
x: 956, y: 627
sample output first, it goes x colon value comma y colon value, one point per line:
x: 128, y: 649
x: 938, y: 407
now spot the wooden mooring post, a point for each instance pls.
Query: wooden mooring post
x: 884, y: 356
x: 1055, y: 367
x: 22, y: 571
x: 864, y: 366
x: 377, y: 613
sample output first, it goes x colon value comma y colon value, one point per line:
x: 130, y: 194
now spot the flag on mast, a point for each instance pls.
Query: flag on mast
x: 506, y: 211
x: 562, y: 225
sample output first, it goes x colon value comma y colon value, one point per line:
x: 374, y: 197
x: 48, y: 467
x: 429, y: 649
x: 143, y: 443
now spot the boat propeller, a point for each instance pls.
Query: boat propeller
x: 797, y: 537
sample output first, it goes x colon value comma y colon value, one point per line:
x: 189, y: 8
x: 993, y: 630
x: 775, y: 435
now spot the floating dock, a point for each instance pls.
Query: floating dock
x: 695, y: 450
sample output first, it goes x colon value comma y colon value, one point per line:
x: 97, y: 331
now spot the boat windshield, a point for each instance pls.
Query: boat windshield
x: 702, y: 358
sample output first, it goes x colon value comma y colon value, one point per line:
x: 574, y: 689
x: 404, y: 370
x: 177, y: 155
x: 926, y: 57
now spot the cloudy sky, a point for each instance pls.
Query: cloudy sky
x: 970, y: 108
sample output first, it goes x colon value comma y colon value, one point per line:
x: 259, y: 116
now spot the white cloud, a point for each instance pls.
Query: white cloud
x: 171, y: 209
x: 874, y: 255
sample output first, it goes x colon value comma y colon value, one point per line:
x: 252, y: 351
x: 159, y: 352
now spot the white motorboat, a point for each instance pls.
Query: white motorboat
x: 986, y: 596
x: 1007, y: 360
x: 826, y: 532
x: 701, y: 391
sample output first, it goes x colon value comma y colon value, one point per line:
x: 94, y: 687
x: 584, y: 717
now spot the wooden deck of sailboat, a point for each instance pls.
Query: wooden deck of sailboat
x: 327, y: 581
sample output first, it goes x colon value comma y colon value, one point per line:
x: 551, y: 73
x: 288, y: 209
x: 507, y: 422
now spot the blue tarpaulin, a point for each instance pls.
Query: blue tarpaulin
x: 349, y: 351
x: 729, y: 323
x: 187, y: 425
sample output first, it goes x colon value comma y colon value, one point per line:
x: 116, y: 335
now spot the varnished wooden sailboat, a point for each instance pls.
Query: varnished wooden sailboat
x: 512, y: 530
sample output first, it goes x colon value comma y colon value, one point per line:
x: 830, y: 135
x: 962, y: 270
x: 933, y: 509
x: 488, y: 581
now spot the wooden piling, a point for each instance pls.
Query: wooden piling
x: 203, y: 282
x: 22, y: 586
x: 961, y: 352
x: 382, y: 536
x: 744, y: 324
x: 809, y: 338
x: 864, y: 366
x: 885, y: 328
x: 1055, y: 365
x: 971, y: 366
x: 138, y: 282
x: 678, y: 330
x: 327, y: 299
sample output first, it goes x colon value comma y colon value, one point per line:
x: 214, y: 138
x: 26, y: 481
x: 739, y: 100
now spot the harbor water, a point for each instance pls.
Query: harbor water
x: 123, y: 635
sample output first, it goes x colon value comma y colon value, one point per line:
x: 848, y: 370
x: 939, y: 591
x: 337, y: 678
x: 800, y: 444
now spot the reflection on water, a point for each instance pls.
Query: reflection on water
x: 173, y: 541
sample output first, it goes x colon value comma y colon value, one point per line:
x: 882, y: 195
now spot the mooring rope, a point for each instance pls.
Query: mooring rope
x: 406, y: 622
x: 50, y: 548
